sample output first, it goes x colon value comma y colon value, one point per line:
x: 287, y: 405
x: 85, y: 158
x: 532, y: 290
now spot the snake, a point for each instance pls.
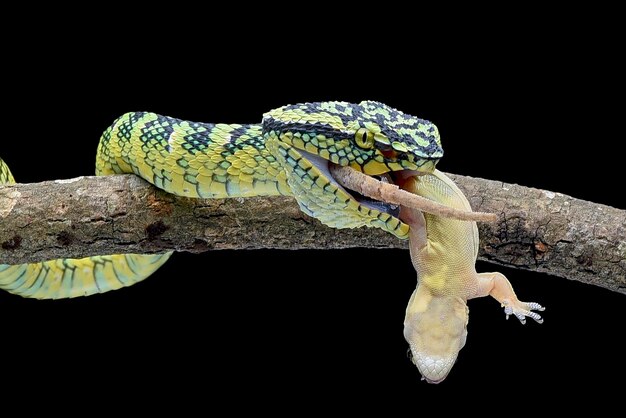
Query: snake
x: 291, y: 153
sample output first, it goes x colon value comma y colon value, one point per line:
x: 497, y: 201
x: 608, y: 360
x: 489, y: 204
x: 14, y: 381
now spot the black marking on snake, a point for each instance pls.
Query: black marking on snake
x: 190, y: 179
x: 125, y: 129
x: 156, y: 131
x: 71, y: 278
x: 18, y: 288
x: 72, y: 270
x: 106, y: 136
x: 98, y: 265
x: 237, y: 133
x: 115, y: 273
x: 12, y: 243
x: 234, y: 144
x: 129, y: 264
x: 198, y: 141
x: 311, y: 129
x: 158, y: 181
x: 24, y: 269
x: 43, y: 277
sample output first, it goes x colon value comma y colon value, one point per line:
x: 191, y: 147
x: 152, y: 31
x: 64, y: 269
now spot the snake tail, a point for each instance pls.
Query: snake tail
x: 68, y: 278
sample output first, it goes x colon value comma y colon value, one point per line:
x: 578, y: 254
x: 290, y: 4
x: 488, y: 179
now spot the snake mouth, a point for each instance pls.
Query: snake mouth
x: 393, y: 177
x: 391, y: 209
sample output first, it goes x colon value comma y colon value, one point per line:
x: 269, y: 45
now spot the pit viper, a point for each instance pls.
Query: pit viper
x: 288, y: 153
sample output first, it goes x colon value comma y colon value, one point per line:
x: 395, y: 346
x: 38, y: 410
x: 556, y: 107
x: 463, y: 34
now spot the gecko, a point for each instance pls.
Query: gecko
x: 443, y: 252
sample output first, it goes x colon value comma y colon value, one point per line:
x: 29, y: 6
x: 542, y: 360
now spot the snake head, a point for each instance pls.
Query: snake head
x: 370, y: 137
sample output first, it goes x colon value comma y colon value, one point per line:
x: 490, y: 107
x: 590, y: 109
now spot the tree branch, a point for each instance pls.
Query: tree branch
x: 537, y: 230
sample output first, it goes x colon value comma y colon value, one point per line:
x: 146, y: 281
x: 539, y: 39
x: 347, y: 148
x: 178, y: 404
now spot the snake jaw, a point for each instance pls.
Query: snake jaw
x: 364, y: 210
x: 324, y: 166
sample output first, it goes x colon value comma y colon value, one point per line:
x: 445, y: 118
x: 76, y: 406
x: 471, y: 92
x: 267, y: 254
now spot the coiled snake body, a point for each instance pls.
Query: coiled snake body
x: 289, y: 153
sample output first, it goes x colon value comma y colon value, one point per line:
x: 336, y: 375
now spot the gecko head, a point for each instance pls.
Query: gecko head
x: 436, y: 329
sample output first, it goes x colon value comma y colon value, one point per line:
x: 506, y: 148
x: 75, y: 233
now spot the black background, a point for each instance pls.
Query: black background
x: 314, y: 326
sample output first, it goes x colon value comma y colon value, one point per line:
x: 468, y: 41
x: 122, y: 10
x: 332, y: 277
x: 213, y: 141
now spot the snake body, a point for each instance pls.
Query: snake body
x: 289, y: 153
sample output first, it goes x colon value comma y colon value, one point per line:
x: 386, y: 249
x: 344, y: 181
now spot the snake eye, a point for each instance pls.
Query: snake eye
x: 364, y: 138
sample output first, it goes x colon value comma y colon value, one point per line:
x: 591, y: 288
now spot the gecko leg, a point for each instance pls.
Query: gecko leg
x: 499, y: 287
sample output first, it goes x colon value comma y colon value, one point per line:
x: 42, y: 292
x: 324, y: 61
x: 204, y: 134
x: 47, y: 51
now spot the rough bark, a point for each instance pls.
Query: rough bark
x: 537, y: 230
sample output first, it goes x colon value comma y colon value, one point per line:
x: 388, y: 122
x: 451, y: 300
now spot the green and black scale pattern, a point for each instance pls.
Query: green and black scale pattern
x: 288, y: 153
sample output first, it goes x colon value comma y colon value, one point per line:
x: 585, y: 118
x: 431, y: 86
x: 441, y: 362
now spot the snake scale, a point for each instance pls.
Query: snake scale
x: 288, y: 153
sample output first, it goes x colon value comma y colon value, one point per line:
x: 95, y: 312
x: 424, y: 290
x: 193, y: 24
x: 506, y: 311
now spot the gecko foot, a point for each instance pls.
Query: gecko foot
x: 521, y: 310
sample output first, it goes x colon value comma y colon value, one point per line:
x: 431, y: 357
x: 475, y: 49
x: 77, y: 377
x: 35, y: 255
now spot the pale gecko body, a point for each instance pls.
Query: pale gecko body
x: 443, y: 252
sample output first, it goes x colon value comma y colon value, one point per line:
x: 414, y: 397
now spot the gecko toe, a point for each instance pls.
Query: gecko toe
x: 534, y: 306
x: 521, y: 310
